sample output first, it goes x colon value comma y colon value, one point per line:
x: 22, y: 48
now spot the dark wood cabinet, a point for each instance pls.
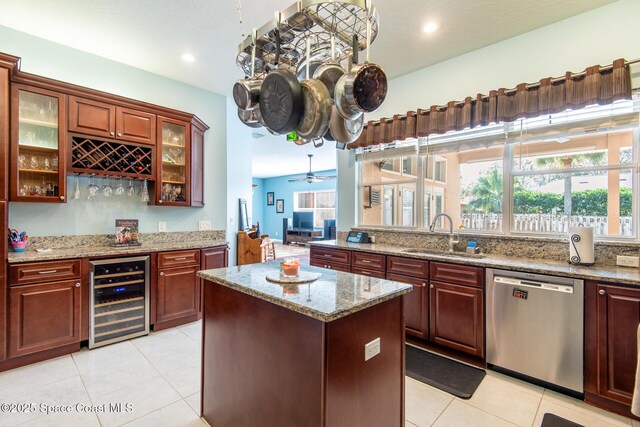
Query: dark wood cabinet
x: 178, y: 294
x: 456, y: 317
x: 612, y: 316
x: 95, y: 118
x: 416, y: 305
x: 368, y: 261
x: 365, y: 272
x: 5, y: 102
x: 335, y: 259
x: 173, y: 163
x: 197, y: 166
x: 408, y: 266
x: 3, y: 284
x: 216, y: 257
x: 43, y: 316
x: 48, y: 271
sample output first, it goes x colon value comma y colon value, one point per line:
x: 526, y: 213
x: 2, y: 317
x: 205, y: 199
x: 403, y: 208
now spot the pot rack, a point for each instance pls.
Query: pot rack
x: 314, y: 20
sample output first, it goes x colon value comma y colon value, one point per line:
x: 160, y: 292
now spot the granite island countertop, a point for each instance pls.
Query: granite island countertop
x: 625, y: 275
x: 332, y: 296
x: 102, y: 250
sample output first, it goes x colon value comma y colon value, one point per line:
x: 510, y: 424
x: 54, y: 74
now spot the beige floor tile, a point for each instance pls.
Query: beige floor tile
x: 144, y: 397
x: 75, y: 418
x: 459, y: 414
x: 506, y: 400
x: 31, y: 377
x: 98, y: 359
x: 409, y: 424
x: 571, y: 414
x: 67, y: 392
x: 178, y: 414
x: 194, y: 402
x: 514, y: 382
x: 635, y: 423
x: 192, y: 330
x: 164, y: 340
x: 423, y: 404
x: 186, y: 379
x: 584, y: 408
x: 99, y: 382
x: 171, y: 359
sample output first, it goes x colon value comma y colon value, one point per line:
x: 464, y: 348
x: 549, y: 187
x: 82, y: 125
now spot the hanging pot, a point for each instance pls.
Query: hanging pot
x: 317, y: 106
x: 281, y: 102
x: 249, y: 118
x: 363, y: 88
x: 343, y: 130
x: 329, y: 72
x: 246, y: 93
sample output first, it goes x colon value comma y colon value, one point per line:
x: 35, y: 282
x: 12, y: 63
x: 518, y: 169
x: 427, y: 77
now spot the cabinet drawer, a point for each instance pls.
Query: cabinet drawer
x: 459, y: 274
x: 368, y: 261
x: 408, y: 266
x: 371, y: 273
x: 38, y: 272
x: 178, y: 258
x: 331, y: 255
x: 330, y: 265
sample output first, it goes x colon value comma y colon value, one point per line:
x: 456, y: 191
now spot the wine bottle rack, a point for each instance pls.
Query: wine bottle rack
x: 91, y: 156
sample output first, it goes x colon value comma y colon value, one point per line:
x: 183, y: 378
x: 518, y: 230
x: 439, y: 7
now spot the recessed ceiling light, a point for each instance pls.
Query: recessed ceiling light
x: 430, y: 27
x: 187, y: 57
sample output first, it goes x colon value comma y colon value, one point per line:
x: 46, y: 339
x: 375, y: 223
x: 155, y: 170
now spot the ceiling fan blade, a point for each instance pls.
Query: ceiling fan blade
x: 298, y: 179
x: 325, y: 177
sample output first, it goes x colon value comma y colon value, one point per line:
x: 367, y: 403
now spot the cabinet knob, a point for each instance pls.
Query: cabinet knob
x: 119, y: 134
x: 601, y: 292
x: 162, y: 273
x: 62, y: 198
x: 77, y: 285
x: 431, y: 286
x: 424, y: 285
x: 112, y: 133
x: 159, y: 202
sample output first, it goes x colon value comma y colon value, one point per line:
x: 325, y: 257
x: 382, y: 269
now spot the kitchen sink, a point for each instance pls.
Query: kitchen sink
x: 435, y: 252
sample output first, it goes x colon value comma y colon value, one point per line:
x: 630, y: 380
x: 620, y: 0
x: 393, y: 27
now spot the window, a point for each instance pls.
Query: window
x: 321, y: 203
x: 534, y: 176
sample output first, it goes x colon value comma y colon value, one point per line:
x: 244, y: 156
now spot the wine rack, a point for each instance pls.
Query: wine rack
x: 91, y: 156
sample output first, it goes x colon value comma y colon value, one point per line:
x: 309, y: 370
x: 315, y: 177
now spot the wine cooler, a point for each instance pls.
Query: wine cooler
x: 119, y: 300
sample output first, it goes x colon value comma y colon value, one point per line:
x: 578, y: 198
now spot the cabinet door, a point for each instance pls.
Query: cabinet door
x: 173, y: 163
x: 416, y: 305
x: 92, y: 117
x: 3, y: 284
x: 5, y: 94
x: 197, y: 167
x: 456, y: 317
x: 135, y: 126
x: 43, y: 316
x: 178, y: 293
x: 618, y: 316
x: 38, y: 146
x: 214, y: 258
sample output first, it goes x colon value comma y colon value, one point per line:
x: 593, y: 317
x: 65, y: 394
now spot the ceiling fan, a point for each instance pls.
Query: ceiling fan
x: 311, y: 177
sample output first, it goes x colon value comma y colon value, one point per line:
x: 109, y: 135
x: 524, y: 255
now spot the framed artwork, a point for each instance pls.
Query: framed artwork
x: 280, y: 206
x: 270, y: 198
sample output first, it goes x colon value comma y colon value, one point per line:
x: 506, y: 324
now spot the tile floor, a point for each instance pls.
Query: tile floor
x: 159, y: 376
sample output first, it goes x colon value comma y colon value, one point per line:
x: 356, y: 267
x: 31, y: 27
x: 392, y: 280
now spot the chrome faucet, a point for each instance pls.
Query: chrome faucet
x: 452, y: 241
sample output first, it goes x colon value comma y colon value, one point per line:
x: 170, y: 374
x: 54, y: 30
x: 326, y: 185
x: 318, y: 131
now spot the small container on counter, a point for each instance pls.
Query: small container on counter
x: 472, y: 247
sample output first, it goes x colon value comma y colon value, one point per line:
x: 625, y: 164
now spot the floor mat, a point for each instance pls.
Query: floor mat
x: 445, y: 374
x: 550, y: 420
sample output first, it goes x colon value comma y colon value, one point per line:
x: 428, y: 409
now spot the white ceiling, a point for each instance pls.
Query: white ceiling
x: 153, y: 34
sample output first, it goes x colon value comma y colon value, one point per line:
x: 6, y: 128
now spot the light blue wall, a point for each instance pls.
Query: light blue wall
x: 271, y: 223
x: 258, y: 202
x: 52, y: 60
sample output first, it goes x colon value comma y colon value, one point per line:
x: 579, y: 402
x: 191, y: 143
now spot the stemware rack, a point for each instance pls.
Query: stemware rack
x: 95, y: 157
x: 314, y: 20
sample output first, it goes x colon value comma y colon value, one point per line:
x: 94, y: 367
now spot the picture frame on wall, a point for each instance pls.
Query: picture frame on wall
x: 280, y: 206
x: 270, y: 197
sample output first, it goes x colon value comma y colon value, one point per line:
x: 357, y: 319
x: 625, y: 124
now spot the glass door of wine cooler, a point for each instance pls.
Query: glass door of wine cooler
x: 38, y: 132
x: 172, y: 186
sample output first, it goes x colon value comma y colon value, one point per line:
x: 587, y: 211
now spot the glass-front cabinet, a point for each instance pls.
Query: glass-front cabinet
x: 172, y: 185
x: 38, y: 154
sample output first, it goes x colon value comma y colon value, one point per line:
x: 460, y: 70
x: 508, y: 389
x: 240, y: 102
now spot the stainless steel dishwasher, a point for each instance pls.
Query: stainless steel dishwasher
x: 535, y: 327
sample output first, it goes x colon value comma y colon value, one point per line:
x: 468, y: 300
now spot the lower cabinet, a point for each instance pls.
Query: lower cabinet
x: 416, y: 305
x: 43, y: 316
x: 456, y: 317
x: 178, y: 293
x: 216, y: 257
x: 612, y: 317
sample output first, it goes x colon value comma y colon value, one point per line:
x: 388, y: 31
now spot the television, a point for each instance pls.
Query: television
x: 303, y: 220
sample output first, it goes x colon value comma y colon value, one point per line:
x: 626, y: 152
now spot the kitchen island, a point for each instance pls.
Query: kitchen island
x: 294, y: 355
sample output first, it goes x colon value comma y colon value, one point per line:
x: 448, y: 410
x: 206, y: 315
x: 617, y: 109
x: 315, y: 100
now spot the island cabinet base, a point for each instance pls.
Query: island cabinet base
x: 269, y: 366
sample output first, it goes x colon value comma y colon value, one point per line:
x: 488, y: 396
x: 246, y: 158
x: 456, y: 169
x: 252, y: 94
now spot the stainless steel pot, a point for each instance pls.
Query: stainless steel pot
x: 343, y: 130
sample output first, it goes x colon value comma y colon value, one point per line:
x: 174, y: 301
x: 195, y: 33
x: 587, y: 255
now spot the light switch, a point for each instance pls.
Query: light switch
x: 204, y: 225
x: 371, y: 349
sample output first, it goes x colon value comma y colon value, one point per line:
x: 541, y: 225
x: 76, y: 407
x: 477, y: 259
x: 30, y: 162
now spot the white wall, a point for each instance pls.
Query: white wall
x: 596, y: 37
x: 52, y: 60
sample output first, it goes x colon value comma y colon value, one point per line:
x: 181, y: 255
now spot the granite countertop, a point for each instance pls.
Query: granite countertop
x: 332, y: 296
x: 626, y: 275
x: 101, y: 250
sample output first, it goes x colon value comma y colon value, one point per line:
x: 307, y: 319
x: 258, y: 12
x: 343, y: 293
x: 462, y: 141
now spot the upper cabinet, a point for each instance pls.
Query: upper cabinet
x: 174, y: 162
x: 38, y: 118
x: 103, y: 120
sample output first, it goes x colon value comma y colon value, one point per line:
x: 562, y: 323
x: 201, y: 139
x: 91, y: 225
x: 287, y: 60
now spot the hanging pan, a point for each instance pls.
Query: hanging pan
x: 317, y: 106
x: 246, y: 93
x: 329, y: 72
x: 345, y: 131
x: 281, y: 102
x: 364, y: 88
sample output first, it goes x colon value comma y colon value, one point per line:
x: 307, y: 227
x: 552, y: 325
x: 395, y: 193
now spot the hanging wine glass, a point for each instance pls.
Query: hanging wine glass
x: 144, y: 194
x: 107, y: 189
x: 119, y: 191
x: 93, y: 189
x: 76, y: 192
x: 131, y: 190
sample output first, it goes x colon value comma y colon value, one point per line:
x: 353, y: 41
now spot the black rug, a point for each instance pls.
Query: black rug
x: 453, y: 377
x: 550, y: 420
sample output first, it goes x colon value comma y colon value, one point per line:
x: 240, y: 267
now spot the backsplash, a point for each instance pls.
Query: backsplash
x: 92, y: 240
x: 520, y: 247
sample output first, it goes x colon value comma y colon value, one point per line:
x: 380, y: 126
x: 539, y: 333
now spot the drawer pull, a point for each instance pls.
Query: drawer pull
x: 327, y: 255
x: 367, y: 261
x: 180, y: 259
x: 601, y: 292
x: 365, y: 272
x: 48, y: 272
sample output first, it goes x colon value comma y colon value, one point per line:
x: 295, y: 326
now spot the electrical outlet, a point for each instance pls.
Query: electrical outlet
x: 628, y: 261
x: 162, y: 226
x: 371, y: 349
x: 204, y: 225
x: 372, y: 238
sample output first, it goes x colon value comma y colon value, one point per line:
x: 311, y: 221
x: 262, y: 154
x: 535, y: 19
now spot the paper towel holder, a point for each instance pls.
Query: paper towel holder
x: 576, y: 258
